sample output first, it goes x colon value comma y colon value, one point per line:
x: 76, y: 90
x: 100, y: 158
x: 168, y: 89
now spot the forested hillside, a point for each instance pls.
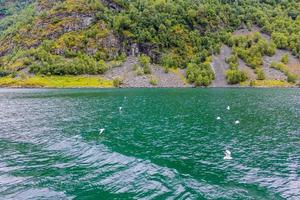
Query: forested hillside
x: 76, y: 37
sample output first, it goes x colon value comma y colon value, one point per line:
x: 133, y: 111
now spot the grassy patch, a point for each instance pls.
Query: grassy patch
x: 267, y: 83
x: 56, y: 82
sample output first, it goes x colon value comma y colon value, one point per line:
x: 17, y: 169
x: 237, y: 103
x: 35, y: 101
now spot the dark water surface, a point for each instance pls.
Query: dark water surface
x: 164, y: 144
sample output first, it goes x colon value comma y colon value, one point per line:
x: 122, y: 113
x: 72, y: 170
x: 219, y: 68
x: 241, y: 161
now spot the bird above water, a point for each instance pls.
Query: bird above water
x: 101, y: 130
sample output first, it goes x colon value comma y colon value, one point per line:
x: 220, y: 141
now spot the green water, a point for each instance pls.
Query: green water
x: 164, y: 144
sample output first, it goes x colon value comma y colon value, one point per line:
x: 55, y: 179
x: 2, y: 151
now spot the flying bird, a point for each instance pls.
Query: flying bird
x: 101, y: 130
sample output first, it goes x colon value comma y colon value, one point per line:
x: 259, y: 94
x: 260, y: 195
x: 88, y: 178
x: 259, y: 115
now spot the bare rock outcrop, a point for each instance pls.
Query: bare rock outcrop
x: 219, y: 67
x: 132, y: 80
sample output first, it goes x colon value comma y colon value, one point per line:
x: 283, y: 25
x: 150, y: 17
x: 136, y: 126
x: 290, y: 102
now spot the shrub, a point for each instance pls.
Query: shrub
x: 279, y: 66
x: 260, y: 74
x: 144, y: 60
x: 4, y: 73
x: 23, y: 75
x: 232, y: 59
x: 139, y: 71
x: 280, y: 40
x: 122, y: 57
x: 206, y: 81
x: 171, y: 60
x: 13, y: 74
x: 166, y: 69
x: 291, y: 78
x: 117, y: 82
x: 147, y: 69
x: 199, y: 80
x: 46, y: 63
x: 233, y: 65
x: 202, y: 81
x: 273, y: 65
x: 285, y: 59
x: 153, y: 80
x: 145, y: 64
x: 200, y: 74
x: 270, y: 50
x: 236, y: 76
x: 27, y: 61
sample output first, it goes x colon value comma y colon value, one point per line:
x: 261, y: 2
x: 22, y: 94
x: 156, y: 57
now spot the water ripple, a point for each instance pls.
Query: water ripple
x: 165, y: 144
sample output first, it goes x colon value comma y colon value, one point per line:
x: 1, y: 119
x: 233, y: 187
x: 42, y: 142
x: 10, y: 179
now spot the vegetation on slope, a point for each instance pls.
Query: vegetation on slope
x: 74, y: 37
x: 233, y: 74
x: 291, y: 78
x: 251, y: 48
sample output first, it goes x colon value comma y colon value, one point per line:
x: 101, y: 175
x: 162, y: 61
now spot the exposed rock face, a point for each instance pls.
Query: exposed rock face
x: 2, y: 15
x: 112, y: 5
x: 72, y: 22
x: 111, y: 44
x: 103, y: 40
x: 220, y: 66
x: 43, y: 5
x: 150, y: 50
x: 135, y: 49
x: 47, y: 28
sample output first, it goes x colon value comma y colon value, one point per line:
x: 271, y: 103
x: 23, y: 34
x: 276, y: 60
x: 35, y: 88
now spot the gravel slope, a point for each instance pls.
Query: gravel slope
x: 219, y: 66
x: 131, y: 80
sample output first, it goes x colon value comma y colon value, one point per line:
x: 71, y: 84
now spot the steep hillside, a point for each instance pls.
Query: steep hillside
x: 93, y: 37
x: 9, y: 7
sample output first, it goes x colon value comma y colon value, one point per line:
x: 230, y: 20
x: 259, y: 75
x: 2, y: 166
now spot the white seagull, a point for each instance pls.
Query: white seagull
x: 218, y: 118
x: 228, y: 107
x: 227, y: 155
x: 237, y: 122
x: 120, y: 108
x: 101, y: 130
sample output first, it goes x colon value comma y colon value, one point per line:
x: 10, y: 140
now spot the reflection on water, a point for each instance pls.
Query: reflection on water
x: 165, y: 143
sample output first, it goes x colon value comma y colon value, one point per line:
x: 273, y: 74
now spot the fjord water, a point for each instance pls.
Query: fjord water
x: 164, y: 144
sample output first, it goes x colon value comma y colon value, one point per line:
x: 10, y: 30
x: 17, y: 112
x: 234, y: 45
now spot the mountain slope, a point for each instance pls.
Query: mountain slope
x: 74, y: 37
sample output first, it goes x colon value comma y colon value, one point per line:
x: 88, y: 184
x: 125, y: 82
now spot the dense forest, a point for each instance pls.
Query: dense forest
x: 74, y: 37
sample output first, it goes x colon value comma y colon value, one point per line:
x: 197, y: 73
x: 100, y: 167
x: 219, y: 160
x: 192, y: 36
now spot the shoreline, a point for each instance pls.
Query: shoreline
x: 123, y: 88
x: 102, y: 82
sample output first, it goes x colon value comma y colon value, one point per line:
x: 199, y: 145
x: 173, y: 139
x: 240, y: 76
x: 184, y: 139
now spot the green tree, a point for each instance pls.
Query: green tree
x: 236, y: 76
x: 280, y: 39
x: 285, y: 59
